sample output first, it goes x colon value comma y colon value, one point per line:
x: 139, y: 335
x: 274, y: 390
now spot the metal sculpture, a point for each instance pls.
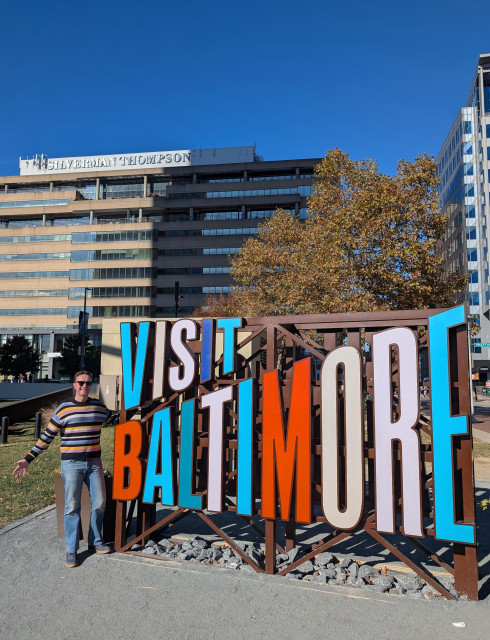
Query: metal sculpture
x: 304, y: 419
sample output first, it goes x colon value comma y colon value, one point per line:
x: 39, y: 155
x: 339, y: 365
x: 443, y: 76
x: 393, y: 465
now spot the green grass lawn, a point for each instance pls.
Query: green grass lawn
x: 23, y: 496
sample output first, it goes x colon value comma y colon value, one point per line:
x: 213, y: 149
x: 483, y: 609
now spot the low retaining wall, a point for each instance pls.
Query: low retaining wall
x: 26, y: 409
x: 25, y: 390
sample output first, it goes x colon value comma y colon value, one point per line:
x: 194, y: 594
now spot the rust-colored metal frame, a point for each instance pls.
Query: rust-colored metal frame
x: 276, y: 343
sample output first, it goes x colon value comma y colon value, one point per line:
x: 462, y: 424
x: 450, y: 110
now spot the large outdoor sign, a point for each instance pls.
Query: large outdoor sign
x: 41, y: 164
x: 275, y: 436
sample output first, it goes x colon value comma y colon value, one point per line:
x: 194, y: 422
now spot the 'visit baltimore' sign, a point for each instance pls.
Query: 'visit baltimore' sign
x: 225, y: 414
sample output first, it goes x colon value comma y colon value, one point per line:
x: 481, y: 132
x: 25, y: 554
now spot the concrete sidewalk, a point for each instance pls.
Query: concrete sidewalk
x: 119, y: 596
x: 481, y: 418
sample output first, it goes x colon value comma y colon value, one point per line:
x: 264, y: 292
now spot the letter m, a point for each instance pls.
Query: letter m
x: 287, y: 457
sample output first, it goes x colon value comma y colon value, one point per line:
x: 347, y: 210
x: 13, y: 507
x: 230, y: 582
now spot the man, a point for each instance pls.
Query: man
x: 79, y: 421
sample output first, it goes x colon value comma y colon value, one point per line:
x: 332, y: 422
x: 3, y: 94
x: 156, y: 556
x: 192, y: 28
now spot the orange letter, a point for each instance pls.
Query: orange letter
x: 127, y: 431
x: 294, y: 455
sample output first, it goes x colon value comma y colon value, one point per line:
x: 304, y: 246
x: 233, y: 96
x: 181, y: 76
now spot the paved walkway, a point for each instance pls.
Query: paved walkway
x: 481, y: 418
x: 119, y: 597
x: 125, y: 597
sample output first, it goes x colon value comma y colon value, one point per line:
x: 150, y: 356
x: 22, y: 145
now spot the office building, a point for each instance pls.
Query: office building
x: 114, y: 233
x: 463, y: 168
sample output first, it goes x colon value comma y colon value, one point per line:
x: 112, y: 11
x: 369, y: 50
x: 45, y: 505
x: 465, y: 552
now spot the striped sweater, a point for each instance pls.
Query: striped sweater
x: 79, y: 424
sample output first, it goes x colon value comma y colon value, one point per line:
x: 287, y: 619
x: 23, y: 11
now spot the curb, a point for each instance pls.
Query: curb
x: 33, y: 516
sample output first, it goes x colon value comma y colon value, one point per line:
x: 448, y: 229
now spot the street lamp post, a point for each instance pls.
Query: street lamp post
x: 84, y: 328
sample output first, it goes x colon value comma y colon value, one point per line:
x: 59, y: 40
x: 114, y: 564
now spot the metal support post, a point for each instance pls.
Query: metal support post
x: 37, y: 427
x: 5, y: 429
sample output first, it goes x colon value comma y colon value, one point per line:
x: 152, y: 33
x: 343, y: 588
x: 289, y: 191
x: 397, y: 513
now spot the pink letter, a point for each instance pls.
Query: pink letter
x: 385, y: 431
x: 215, y: 402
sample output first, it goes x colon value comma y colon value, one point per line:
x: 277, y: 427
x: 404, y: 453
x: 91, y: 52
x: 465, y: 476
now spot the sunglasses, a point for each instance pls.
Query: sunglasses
x: 81, y: 383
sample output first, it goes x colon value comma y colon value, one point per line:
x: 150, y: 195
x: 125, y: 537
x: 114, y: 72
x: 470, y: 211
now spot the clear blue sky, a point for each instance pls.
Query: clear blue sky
x: 383, y: 79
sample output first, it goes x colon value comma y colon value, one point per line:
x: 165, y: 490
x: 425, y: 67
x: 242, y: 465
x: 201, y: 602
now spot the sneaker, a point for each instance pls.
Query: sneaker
x: 99, y: 548
x: 71, y: 559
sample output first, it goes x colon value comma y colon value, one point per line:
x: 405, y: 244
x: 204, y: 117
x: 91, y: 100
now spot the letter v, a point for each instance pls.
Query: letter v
x: 134, y: 360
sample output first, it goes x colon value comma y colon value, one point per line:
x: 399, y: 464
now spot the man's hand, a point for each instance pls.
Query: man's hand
x: 20, y: 468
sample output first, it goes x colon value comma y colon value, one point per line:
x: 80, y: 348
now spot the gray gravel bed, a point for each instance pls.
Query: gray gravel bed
x: 325, y: 568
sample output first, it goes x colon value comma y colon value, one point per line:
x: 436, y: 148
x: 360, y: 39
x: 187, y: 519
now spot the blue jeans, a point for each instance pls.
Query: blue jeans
x: 74, y: 474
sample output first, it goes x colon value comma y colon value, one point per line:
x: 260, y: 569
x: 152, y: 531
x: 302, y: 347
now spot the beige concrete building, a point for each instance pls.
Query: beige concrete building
x: 114, y: 234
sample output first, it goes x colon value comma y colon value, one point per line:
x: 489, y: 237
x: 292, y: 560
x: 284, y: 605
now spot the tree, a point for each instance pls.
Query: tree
x: 17, y: 356
x: 368, y: 244
x: 70, y: 356
x: 218, y: 306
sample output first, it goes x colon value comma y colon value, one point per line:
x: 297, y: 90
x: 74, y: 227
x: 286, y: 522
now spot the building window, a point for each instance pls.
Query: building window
x: 181, y: 271
x: 218, y: 215
x: 112, y: 292
x: 26, y: 188
x: 158, y: 186
x: 112, y: 254
x: 122, y: 189
x: 213, y: 270
x: 63, y: 222
x: 254, y: 215
x: 36, y: 256
x: 467, y: 126
x: 110, y: 274
x: 113, y: 236
x: 33, y: 203
x: 195, y: 251
x: 32, y: 293
x: 33, y: 312
x: 470, y: 210
x: 20, y: 224
x: 134, y: 311
x: 259, y: 178
x: 216, y: 289
x: 301, y: 190
x: 66, y: 237
x: 34, y: 274
x: 468, y: 168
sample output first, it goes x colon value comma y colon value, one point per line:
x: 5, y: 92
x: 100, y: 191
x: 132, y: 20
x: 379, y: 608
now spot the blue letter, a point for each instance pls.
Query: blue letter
x: 443, y: 427
x: 207, y: 349
x: 186, y: 467
x: 228, y: 325
x: 245, y: 440
x: 133, y: 368
x: 160, y: 432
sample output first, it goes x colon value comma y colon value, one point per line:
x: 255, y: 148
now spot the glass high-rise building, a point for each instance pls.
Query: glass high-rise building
x: 463, y: 169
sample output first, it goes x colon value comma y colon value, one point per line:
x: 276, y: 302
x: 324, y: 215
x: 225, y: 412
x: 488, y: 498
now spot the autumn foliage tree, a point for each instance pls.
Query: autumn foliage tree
x: 368, y: 244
